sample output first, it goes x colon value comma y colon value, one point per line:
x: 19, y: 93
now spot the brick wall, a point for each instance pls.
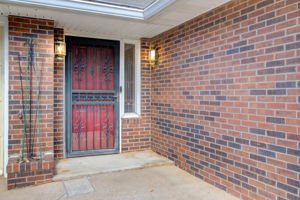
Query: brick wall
x: 136, y: 131
x: 41, y: 32
x: 59, y: 77
x: 225, y: 98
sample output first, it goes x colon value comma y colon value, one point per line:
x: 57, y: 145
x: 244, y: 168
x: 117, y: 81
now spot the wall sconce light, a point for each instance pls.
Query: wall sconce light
x: 59, y: 49
x: 153, y: 56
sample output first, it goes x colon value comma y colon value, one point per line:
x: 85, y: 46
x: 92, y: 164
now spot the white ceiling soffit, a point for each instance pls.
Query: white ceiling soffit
x: 130, y: 9
x: 113, y: 27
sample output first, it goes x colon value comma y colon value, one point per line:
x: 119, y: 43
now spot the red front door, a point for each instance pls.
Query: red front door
x: 92, y: 81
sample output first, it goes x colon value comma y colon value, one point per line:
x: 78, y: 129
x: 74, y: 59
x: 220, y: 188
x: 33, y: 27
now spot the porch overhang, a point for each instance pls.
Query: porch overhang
x: 82, y: 20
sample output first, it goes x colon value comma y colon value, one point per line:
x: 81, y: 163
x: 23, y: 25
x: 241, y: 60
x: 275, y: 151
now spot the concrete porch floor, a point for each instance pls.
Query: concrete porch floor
x: 82, y: 166
x: 156, y: 183
x: 138, y: 176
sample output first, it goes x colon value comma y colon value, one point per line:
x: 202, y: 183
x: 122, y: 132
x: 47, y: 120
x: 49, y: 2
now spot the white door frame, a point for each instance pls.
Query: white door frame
x: 4, y: 24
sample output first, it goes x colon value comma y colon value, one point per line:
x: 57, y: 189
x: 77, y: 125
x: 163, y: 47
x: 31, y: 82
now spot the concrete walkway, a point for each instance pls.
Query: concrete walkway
x: 156, y: 183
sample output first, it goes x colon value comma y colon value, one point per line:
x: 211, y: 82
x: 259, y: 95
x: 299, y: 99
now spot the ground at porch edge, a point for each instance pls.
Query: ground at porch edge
x: 155, y: 183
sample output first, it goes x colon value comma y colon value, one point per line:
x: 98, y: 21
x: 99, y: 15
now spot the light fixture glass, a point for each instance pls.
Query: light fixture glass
x: 59, y: 48
x: 152, y: 55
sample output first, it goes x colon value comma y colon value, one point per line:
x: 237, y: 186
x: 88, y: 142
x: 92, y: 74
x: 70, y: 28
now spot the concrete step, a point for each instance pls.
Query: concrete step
x: 73, y: 168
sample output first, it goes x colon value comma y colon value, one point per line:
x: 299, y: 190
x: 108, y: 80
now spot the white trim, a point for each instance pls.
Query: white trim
x: 130, y: 115
x: 1, y: 99
x: 137, y: 112
x: 138, y: 85
x: 138, y: 76
x: 121, y: 96
x: 64, y: 108
x: 84, y: 6
x: 96, y: 36
x: 99, y: 8
x: 4, y: 23
x: 156, y: 7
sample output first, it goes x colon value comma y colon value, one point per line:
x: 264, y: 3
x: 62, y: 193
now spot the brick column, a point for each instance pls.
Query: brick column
x: 33, y: 171
x: 59, y: 66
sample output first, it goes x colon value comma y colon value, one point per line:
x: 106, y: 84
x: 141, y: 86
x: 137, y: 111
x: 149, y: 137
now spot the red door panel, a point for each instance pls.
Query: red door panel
x: 92, y: 68
x: 93, y: 127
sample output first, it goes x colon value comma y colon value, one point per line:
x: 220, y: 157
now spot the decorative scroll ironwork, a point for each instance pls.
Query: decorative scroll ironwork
x: 94, y: 122
x: 93, y: 97
x: 92, y: 71
x: 107, y: 125
x: 93, y: 67
x: 79, y: 67
x: 107, y: 68
x: 78, y: 127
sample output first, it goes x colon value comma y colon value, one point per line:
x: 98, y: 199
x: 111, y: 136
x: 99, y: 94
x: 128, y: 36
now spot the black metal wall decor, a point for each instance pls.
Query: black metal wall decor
x: 31, y: 110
